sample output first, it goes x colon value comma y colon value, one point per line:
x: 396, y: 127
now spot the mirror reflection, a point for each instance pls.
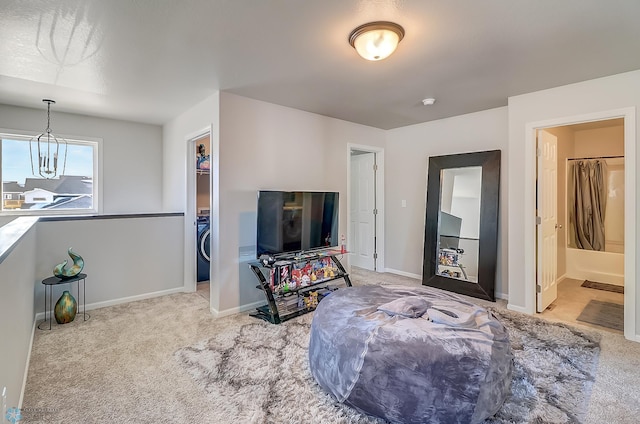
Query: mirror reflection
x: 459, y: 223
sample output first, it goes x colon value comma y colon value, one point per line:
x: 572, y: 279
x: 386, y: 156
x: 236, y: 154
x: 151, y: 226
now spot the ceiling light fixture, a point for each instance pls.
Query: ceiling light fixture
x: 428, y: 101
x: 48, y: 147
x: 376, y: 40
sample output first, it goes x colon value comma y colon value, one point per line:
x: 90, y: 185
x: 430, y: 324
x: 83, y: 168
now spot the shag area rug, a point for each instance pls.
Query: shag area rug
x: 259, y: 373
x: 604, y: 314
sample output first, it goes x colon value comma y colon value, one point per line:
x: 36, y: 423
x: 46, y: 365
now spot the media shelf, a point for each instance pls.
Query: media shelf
x: 294, y: 285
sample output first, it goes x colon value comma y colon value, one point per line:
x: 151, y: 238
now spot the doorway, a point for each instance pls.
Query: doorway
x: 580, y: 224
x: 365, y: 212
x: 201, y: 201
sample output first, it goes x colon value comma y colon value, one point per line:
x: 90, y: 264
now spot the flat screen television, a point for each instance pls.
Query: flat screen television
x: 296, y: 221
x: 450, y: 226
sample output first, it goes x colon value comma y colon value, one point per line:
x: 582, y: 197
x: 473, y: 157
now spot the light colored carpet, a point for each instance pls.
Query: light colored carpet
x: 120, y: 366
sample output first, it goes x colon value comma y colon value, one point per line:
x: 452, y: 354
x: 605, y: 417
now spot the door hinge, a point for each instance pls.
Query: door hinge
x: 538, y: 220
x: 538, y: 288
x: 538, y: 152
x: 375, y: 256
x: 375, y: 166
x: 375, y: 211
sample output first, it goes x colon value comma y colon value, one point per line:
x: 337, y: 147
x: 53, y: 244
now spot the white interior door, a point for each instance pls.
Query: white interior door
x: 362, y: 238
x: 547, y: 201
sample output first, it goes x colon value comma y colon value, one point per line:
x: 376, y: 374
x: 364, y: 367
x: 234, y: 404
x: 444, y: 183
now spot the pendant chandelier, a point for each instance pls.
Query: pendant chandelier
x: 47, y: 147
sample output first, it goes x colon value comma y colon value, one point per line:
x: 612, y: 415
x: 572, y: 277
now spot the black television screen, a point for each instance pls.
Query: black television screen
x: 296, y: 221
x: 449, y: 230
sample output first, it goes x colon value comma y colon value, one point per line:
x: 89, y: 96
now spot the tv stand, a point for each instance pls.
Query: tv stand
x: 294, y: 284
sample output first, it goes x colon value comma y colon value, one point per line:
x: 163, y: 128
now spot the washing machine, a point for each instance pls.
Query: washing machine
x: 202, y: 246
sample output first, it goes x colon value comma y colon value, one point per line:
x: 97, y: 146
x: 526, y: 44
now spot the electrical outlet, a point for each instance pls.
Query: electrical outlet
x: 4, y: 404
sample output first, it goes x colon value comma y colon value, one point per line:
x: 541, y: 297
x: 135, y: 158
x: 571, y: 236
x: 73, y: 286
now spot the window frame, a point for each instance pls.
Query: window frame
x: 95, y: 143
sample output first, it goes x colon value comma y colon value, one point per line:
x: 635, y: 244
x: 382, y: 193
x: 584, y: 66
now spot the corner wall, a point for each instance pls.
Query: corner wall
x: 17, y: 306
x: 266, y: 146
x: 589, y: 97
x: 126, y: 259
x: 202, y: 117
x: 407, y: 156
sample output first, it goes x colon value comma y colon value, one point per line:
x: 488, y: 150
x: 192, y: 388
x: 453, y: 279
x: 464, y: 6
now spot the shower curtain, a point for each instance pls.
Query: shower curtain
x: 587, y: 202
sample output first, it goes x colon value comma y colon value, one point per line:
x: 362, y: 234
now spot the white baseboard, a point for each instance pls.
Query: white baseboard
x: 236, y: 310
x: 122, y: 300
x: 26, y: 368
x: 403, y: 273
x: 515, y: 308
x: 501, y: 296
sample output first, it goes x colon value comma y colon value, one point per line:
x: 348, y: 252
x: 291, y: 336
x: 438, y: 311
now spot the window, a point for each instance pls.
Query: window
x: 74, y: 189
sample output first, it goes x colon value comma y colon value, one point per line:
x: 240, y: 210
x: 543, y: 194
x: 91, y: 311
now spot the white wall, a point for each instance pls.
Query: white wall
x: 201, y: 118
x: 266, y: 146
x: 131, y: 154
x: 262, y: 145
x: 17, y: 279
x: 407, y: 155
x: 589, y: 97
x: 125, y: 258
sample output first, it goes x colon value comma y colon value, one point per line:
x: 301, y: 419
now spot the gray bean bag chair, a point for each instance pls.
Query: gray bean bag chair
x: 410, y: 354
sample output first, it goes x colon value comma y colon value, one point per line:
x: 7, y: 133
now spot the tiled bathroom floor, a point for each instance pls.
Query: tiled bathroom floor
x: 572, y: 298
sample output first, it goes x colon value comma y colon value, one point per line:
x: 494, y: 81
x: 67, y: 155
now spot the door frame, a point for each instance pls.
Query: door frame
x: 379, y: 182
x: 190, y: 224
x: 531, y: 128
x: 541, y: 298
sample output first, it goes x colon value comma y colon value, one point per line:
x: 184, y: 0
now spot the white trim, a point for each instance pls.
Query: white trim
x: 629, y: 115
x: 122, y: 300
x: 190, y: 226
x: 517, y: 309
x: 26, y: 368
x: 237, y: 309
x: 403, y: 273
x: 502, y: 296
x: 380, y: 181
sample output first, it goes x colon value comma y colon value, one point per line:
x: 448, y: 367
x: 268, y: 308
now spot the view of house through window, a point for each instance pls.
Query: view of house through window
x: 72, y: 187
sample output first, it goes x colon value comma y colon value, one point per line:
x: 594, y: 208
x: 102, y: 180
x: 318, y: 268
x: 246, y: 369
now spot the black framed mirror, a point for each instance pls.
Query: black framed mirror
x: 461, y: 227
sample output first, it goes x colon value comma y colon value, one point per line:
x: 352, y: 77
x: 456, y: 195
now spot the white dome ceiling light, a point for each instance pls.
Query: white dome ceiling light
x: 376, y: 40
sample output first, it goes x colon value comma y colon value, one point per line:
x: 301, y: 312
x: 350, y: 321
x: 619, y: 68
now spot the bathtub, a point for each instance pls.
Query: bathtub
x: 603, y: 267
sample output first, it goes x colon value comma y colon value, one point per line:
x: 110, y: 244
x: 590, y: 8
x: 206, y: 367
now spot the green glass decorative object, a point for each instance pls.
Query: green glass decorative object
x: 61, y: 270
x: 66, y: 308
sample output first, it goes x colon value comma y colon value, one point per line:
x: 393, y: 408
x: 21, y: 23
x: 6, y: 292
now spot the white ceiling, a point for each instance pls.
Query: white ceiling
x: 150, y: 60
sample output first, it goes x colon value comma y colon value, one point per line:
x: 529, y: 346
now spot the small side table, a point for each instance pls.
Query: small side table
x: 54, y: 281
